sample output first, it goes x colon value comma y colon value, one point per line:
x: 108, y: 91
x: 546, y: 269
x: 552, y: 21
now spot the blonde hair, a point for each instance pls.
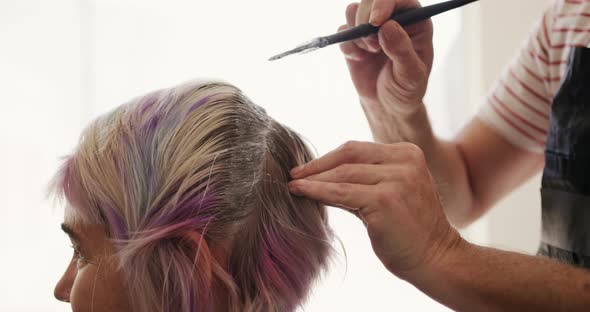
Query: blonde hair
x: 199, y: 158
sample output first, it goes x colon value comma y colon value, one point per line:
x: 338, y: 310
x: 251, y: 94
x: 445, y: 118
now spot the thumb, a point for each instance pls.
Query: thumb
x: 409, y: 70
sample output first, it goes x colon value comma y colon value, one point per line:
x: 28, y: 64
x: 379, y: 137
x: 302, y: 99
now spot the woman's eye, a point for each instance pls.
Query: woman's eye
x: 80, y: 259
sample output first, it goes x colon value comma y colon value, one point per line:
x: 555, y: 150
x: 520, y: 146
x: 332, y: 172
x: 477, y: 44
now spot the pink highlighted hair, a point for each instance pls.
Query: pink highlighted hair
x: 180, y: 172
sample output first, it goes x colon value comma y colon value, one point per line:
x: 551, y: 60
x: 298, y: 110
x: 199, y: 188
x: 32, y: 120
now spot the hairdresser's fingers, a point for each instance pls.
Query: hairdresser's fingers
x: 348, y: 153
x: 341, y: 195
x: 409, y: 72
x: 361, y: 153
x: 362, y: 17
x: 351, y: 50
x: 381, y: 11
x: 403, y: 170
x: 353, y: 173
x: 351, y: 12
x: 420, y: 33
x: 363, y: 12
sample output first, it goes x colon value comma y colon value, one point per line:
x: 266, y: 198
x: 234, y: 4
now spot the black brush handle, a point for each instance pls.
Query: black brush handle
x: 403, y: 17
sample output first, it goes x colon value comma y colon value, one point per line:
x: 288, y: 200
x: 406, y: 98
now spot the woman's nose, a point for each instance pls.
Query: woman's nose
x: 61, y: 293
x: 64, y: 286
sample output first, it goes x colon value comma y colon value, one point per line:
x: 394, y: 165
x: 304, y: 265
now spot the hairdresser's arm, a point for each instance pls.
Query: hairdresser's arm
x: 389, y: 188
x: 390, y: 74
x: 473, y: 278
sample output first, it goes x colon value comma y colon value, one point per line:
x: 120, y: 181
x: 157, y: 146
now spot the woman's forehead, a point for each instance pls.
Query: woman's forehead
x: 81, y: 230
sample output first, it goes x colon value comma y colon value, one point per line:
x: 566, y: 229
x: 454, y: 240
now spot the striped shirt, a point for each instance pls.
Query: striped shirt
x: 519, y: 105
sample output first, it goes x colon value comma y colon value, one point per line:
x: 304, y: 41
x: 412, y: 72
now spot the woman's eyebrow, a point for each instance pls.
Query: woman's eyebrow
x: 70, y: 231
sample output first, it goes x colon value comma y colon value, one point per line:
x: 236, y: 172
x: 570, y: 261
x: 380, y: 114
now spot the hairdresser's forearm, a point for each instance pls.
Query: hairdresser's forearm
x: 389, y: 126
x: 472, y: 278
x: 444, y: 158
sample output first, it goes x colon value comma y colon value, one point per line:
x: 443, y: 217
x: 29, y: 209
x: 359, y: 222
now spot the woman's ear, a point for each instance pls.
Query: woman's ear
x: 203, y: 252
x: 198, y: 241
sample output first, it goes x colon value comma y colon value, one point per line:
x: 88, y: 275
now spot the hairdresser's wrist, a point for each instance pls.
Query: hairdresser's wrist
x: 394, y: 126
x: 392, y: 107
x: 436, y: 277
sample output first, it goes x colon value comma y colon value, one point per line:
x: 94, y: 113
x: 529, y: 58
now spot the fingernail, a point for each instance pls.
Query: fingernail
x: 374, y: 18
x: 297, y: 170
x: 373, y: 43
x: 294, y: 188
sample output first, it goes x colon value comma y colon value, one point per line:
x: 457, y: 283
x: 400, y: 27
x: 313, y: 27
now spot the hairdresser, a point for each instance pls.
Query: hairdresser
x: 537, y: 116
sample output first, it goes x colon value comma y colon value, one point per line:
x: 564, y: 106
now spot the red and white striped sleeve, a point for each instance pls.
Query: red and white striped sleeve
x: 518, y: 106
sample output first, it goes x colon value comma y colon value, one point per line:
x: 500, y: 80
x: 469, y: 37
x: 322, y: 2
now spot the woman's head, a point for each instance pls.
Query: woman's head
x: 181, y: 196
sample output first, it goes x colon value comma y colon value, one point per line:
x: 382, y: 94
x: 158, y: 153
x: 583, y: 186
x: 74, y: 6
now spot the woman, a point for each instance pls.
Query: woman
x: 178, y: 201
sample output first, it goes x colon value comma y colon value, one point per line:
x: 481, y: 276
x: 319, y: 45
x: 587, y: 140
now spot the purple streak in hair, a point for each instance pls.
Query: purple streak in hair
x: 148, y: 102
x: 153, y: 114
x: 194, y: 208
x: 199, y: 103
x: 192, y: 302
x: 116, y: 223
x: 153, y: 122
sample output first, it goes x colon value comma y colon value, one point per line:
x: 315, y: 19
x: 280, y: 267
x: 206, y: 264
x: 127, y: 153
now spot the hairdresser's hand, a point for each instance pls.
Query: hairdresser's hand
x: 389, y: 187
x: 390, y: 71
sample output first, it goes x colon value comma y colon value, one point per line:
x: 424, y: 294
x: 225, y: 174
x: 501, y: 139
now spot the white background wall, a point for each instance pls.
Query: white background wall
x: 63, y: 62
x: 40, y: 117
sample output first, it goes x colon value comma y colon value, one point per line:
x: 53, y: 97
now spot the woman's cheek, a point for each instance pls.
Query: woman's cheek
x: 98, y: 290
x: 81, y: 296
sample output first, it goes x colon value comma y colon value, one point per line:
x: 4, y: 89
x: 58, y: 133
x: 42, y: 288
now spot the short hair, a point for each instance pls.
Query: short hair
x: 199, y: 158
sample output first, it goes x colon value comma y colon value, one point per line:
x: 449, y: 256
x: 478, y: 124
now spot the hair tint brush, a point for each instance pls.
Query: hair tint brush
x: 403, y: 17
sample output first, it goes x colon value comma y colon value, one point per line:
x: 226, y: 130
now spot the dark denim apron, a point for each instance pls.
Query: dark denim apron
x: 565, y: 188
